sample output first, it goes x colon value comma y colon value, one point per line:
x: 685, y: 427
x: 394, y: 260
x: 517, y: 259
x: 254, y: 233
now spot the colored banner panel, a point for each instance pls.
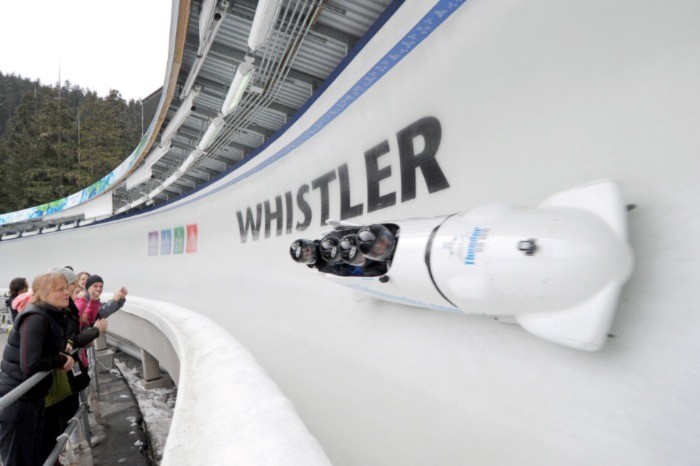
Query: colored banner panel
x: 152, y: 243
x: 192, y: 238
x: 179, y: 240
x: 166, y: 241
x: 75, y: 199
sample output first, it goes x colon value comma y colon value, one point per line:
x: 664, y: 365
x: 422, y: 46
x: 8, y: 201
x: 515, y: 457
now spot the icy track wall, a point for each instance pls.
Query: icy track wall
x: 508, y: 102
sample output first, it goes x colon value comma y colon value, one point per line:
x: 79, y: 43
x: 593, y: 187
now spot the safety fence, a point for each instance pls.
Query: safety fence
x: 80, y: 450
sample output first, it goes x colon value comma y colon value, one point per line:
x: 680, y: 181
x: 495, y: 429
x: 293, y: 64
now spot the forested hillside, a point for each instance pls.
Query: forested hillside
x: 56, y: 141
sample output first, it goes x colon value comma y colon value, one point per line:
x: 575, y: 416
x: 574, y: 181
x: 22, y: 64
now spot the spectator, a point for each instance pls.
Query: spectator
x: 77, y: 293
x: 82, y: 278
x: 91, y: 307
x: 17, y: 287
x: 62, y: 402
x: 36, y: 343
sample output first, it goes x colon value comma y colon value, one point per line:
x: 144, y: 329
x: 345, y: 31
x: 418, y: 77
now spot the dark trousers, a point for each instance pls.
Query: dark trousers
x: 21, y: 425
x: 56, y: 419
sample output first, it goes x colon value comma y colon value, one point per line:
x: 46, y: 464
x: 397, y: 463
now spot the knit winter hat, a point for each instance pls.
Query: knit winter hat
x: 91, y: 280
x: 68, y: 274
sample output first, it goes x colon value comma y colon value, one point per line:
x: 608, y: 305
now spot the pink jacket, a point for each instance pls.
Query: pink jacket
x: 87, y: 310
x: 21, y: 301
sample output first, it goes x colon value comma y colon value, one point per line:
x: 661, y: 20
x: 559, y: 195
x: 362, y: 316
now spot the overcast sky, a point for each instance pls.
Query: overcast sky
x: 98, y: 44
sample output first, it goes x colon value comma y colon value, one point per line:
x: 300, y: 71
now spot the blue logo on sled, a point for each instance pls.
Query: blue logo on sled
x: 471, y: 248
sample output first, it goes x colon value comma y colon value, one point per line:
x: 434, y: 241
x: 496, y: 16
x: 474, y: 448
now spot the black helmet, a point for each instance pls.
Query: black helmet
x: 330, y: 248
x: 350, y: 251
x: 376, y: 242
x: 303, y: 251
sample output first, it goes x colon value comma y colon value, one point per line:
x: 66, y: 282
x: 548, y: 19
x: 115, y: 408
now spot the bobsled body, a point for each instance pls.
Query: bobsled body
x: 557, y: 269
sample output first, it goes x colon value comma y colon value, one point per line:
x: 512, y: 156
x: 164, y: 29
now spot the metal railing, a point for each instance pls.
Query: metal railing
x: 79, y: 418
x: 20, y: 390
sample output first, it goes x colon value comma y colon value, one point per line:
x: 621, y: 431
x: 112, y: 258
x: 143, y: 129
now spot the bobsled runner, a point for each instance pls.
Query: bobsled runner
x: 557, y: 269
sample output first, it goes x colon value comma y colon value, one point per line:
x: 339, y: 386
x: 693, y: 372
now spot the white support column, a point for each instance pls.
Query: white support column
x: 151, y: 375
x: 101, y: 342
x: 104, y: 357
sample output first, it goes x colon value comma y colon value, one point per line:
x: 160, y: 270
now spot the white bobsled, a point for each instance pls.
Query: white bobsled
x: 557, y: 269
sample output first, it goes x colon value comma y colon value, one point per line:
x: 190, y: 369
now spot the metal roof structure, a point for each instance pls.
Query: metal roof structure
x: 307, y: 41
x: 246, y: 69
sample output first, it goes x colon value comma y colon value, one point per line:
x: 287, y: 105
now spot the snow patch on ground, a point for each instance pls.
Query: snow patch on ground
x: 156, y: 406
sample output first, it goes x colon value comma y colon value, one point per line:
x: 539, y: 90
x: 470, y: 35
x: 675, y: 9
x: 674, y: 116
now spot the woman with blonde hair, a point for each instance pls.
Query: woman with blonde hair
x: 36, y: 343
x: 80, y: 291
x: 63, y: 401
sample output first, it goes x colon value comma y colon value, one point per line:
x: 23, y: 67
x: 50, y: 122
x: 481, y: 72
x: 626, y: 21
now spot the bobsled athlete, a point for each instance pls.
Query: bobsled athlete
x: 349, y: 251
x: 351, y: 255
x: 376, y: 242
x: 304, y: 252
x: 337, y: 254
x: 332, y: 260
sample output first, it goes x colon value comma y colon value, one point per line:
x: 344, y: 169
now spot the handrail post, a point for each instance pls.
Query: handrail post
x: 85, y: 425
x: 95, y: 384
x: 84, y: 440
x: 62, y: 439
x: 101, y: 342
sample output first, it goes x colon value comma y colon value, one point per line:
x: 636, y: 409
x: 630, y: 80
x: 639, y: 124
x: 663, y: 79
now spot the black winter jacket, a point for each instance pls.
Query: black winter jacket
x: 35, y: 344
x: 76, y: 338
x: 8, y: 303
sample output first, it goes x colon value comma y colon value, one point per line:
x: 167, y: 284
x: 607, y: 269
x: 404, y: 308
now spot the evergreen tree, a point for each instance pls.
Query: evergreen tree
x: 58, y: 141
x: 20, y: 142
x: 53, y: 155
x: 12, y: 89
